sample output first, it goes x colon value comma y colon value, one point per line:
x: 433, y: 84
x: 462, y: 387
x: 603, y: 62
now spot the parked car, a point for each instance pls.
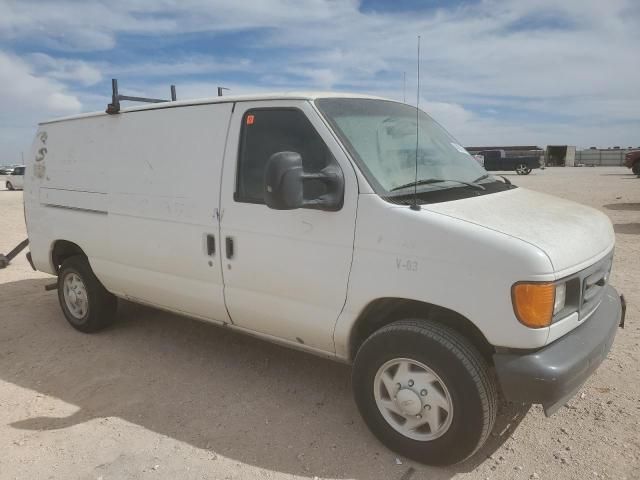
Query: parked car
x: 632, y: 161
x: 15, y: 180
x: 6, y: 170
x: 496, y: 160
x: 305, y: 220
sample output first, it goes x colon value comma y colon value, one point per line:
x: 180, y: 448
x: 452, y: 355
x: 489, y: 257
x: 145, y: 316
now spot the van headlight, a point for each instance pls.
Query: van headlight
x: 537, y: 303
x: 561, y: 297
x: 534, y: 303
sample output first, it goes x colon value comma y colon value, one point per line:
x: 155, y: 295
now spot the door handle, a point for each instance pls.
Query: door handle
x: 211, y: 245
x: 229, y: 247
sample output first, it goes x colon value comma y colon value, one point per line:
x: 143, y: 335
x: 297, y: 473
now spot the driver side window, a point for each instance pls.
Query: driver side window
x: 268, y: 131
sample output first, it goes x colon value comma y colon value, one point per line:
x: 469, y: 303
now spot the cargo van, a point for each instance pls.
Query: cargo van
x: 347, y: 226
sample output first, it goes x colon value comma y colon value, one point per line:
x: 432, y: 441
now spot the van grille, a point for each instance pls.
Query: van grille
x: 594, y: 281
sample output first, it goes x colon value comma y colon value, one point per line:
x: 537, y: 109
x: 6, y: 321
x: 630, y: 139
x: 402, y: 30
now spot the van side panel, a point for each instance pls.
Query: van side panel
x: 164, y: 194
x: 432, y: 258
x: 138, y: 192
x: 66, y: 172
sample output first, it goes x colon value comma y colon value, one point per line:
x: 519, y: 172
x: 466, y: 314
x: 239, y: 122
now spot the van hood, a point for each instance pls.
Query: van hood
x: 572, y: 235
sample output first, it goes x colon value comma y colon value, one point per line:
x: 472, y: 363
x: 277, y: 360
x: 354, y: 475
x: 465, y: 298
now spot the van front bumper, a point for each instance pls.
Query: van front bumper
x: 552, y: 375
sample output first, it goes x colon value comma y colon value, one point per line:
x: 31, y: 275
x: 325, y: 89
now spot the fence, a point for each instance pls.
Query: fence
x: 601, y: 158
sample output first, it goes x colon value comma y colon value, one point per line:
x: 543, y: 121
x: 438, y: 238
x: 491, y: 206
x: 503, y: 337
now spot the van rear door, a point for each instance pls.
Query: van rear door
x: 285, y: 271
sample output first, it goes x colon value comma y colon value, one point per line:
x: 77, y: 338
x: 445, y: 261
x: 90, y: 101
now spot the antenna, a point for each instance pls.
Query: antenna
x: 414, y: 205
x: 404, y: 87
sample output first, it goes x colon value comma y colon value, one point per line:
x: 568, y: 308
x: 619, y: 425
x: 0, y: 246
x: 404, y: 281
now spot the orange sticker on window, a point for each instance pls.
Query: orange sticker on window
x: 250, y: 119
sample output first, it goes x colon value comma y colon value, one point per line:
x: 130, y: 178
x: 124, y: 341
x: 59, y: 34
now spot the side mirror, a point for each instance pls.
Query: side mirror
x: 284, y: 180
x: 283, y: 188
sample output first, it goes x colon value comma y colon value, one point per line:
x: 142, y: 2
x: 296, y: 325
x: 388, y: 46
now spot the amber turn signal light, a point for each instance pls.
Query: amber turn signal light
x: 533, y: 303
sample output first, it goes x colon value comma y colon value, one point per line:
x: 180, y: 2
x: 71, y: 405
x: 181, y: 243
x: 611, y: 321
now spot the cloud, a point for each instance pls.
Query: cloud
x: 493, y: 71
x: 186, y: 66
x: 27, y: 99
x: 70, y: 25
x: 65, y: 69
x: 22, y: 91
x: 473, y: 129
x: 447, y: 113
x: 94, y: 25
x: 316, y: 77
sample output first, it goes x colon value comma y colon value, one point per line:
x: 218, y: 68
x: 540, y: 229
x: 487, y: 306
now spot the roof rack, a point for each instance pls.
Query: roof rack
x: 116, y: 98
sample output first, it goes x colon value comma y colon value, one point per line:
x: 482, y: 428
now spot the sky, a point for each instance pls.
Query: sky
x: 508, y: 72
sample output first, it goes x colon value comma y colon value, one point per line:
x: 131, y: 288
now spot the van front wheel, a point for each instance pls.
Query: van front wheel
x: 425, y: 391
x: 9, y: 186
x: 86, y: 304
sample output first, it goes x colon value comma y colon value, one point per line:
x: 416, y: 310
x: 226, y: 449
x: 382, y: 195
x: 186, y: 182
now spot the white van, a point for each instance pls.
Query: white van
x: 298, y: 219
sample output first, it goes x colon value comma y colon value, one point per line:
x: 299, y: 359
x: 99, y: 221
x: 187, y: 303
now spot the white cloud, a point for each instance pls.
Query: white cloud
x: 475, y: 130
x: 185, y: 66
x: 447, y: 113
x: 27, y: 99
x: 65, y: 69
x: 22, y: 91
x: 77, y: 25
x: 317, y: 77
x: 61, y: 102
x: 94, y: 25
x: 570, y: 67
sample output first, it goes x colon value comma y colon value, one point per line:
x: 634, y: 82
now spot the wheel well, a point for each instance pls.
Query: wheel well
x: 63, y: 249
x: 384, y: 311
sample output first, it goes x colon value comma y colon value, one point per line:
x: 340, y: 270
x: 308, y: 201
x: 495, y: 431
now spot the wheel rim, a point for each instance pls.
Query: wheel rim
x: 521, y: 169
x: 413, y: 399
x: 75, y: 296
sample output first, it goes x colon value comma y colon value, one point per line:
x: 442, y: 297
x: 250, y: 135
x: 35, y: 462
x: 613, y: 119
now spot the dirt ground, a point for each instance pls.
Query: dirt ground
x: 161, y: 396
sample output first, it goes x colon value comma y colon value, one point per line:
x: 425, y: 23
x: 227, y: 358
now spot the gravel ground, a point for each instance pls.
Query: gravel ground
x: 160, y: 396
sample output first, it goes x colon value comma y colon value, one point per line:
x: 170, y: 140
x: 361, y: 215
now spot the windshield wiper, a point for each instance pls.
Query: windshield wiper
x: 486, y: 175
x: 428, y: 181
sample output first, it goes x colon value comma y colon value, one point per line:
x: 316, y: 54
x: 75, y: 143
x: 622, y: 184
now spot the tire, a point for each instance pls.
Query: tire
x: 9, y: 186
x: 636, y: 168
x: 462, y: 379
x: 86, y: 304
x: 523, y: 169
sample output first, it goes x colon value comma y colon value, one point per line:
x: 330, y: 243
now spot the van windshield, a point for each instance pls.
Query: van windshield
x: 381, y: 137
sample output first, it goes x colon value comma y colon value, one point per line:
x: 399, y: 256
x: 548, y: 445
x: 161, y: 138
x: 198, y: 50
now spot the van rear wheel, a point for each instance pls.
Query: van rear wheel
x: 86, y: 304
x: 425, y: 391
x: 523, y: 169
x: 9, y: 186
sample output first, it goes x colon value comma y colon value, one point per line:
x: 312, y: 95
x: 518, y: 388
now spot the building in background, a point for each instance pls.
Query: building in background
x: 602, y: 157
x: 560, y: 156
